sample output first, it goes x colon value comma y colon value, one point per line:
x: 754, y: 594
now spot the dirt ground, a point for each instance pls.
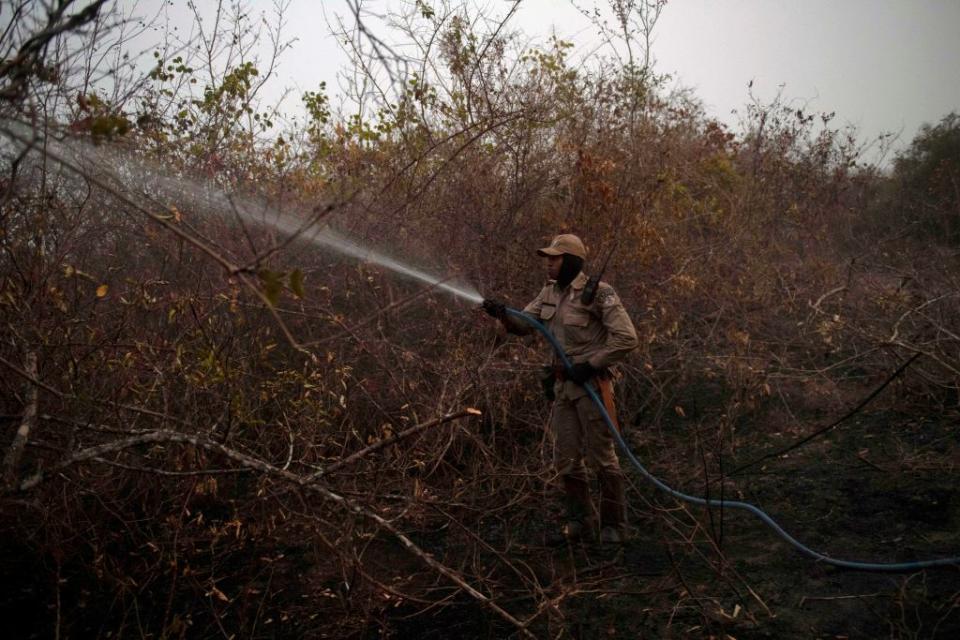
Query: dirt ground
x: 881, y: 487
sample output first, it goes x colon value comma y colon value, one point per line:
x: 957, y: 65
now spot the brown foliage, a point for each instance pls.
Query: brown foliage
x: 225, y: 437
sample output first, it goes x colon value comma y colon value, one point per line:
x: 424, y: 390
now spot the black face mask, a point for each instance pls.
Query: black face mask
x: 569, y: 269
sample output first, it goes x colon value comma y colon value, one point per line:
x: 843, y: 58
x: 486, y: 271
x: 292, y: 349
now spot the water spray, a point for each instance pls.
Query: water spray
x: 118, y: 169
x: 337, y: 242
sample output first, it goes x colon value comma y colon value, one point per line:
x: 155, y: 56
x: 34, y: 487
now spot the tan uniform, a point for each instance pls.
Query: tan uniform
x: 600, y: 333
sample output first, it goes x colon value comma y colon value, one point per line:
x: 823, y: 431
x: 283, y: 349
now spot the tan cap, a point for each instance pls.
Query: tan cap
x: 565, y: 243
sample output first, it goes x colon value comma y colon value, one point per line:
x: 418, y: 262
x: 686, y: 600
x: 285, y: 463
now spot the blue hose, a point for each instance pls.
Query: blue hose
x: 725, y: 504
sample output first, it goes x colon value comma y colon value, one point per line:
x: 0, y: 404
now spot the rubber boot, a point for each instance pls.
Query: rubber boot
x: 581, y: 515
x: 613, y: 508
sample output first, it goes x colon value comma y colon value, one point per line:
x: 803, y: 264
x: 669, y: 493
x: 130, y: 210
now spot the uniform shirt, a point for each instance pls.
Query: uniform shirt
x: 600, y: 333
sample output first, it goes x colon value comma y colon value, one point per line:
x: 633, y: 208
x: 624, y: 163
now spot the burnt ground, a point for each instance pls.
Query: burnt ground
x: 882, y: 487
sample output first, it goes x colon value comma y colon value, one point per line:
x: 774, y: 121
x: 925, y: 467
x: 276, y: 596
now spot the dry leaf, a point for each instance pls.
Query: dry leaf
x: 219, y: 594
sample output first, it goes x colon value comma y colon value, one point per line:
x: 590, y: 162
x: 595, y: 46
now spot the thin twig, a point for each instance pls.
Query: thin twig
x: 832, y: 425
x: 12, y: 458
x: 160, y: 436
x: 386, y: 442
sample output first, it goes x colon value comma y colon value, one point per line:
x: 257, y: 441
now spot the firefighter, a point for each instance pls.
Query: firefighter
x: 595, y: 334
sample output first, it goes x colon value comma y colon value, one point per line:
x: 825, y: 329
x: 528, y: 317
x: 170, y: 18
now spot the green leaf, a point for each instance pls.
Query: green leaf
x: 296, y: 283
x: 272, y: 285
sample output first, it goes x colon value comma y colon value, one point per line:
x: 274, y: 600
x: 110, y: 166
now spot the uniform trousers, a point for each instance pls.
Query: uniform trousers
x: 583, y: 440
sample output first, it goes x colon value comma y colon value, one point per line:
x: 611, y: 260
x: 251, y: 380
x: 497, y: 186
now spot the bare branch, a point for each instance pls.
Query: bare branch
x: 93, y: 453
x: 12, y: 458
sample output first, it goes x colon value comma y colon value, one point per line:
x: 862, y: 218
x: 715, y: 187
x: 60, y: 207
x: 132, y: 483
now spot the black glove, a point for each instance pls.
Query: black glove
x: 495, y: 308
x: 581, y: 372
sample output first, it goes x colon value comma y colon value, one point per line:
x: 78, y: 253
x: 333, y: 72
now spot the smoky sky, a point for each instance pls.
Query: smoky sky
x: 880, y: 65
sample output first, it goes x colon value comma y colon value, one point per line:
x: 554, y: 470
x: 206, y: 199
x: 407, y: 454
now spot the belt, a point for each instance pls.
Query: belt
x: 604, y: 384
x: 560, y: 373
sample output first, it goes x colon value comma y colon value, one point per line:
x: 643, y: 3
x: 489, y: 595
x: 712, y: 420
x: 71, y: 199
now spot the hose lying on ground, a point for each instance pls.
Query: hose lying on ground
x: 725, y: 504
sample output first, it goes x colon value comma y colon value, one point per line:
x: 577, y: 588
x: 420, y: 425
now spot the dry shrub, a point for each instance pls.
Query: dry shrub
x: 178, y: 478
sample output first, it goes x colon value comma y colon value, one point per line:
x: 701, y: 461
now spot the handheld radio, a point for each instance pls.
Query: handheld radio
x: 590, y: 289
